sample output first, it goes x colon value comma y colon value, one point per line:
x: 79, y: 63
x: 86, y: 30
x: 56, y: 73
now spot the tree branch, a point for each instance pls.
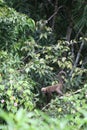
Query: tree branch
x: 54, y: 14
x: 69, y: 31
x: 77, y: 58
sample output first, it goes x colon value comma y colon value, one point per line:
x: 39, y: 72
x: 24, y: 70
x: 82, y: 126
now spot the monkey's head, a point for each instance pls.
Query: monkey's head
x: 43, y: 90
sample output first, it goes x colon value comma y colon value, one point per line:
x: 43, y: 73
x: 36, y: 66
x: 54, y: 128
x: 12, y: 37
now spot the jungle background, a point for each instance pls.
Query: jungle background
x: 38, y: 39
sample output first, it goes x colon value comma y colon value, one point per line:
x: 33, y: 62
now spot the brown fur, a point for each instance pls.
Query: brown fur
x: 55, y: 88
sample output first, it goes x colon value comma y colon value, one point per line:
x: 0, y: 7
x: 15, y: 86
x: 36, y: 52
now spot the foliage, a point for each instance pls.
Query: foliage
x: 38, y: 120
x: 44, y: 34
x: 31, y: 55
x: 56, y: 55
x: 14, y: 85
x: 14, y: 27
x: 66, y: 12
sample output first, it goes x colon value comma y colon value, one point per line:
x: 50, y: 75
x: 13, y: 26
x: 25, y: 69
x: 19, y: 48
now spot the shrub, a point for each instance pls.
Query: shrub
x: 13, y: 27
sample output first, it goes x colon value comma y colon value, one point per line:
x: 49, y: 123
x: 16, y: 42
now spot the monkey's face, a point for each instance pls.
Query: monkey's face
x: 43, y: 90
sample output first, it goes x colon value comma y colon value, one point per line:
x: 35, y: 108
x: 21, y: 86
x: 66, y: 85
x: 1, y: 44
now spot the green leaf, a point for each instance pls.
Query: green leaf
x: 2, y: 87
x: 9, y: 92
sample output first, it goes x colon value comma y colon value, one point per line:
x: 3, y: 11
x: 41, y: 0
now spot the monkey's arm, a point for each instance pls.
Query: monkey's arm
x: 59, y: 91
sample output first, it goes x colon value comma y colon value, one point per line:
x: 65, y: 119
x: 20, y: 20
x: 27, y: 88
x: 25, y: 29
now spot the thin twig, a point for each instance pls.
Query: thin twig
x: 45, y: 106
x: 54, y: 14
x: 79, y: 90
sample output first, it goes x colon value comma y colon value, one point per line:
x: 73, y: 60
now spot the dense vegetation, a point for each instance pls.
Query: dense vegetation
x: 38, y: 39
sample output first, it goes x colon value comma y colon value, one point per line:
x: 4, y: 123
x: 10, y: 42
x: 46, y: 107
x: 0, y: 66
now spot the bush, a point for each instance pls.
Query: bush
x: 15, y: 86
x: 38, y: 120
x: 14, y: 26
